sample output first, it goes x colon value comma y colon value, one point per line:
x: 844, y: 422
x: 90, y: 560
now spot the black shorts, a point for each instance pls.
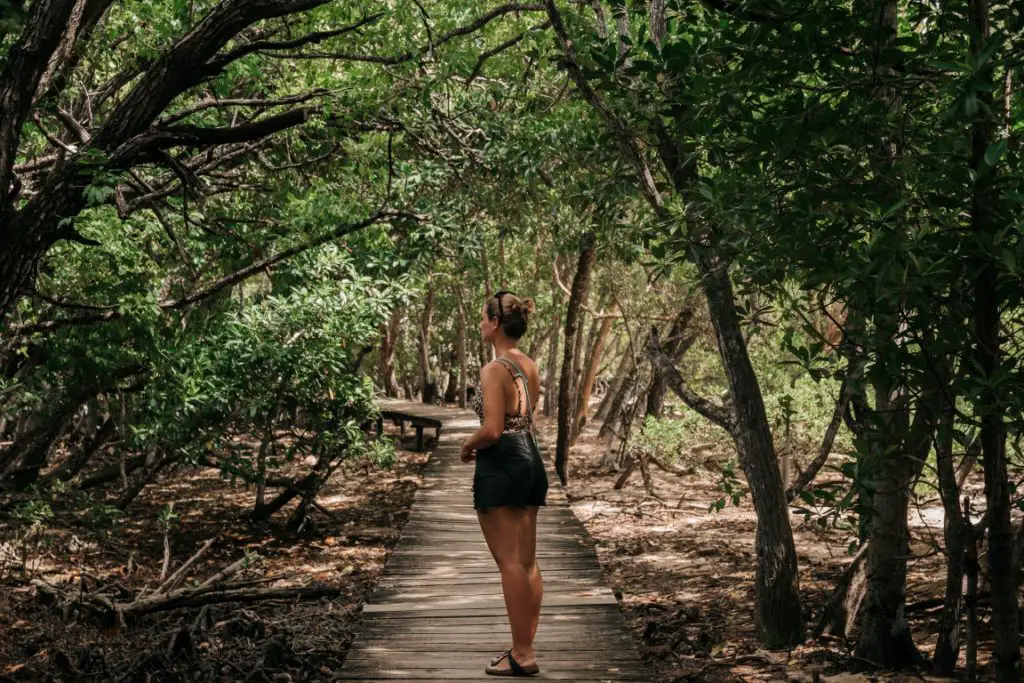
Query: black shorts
x: 509, y: 472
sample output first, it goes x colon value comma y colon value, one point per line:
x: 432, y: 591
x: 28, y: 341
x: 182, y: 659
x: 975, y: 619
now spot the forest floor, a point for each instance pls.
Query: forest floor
x: 266, y: 640
x: 685, y: 576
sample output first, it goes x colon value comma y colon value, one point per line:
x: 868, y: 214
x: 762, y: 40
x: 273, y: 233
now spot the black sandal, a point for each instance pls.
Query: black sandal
x: 515, y: 668
x: 496, y: 660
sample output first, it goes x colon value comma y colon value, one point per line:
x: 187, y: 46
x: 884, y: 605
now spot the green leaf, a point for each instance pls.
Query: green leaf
x: 994, y: 152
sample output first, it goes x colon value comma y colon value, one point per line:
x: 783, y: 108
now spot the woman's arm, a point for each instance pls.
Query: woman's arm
x: 494, y: 410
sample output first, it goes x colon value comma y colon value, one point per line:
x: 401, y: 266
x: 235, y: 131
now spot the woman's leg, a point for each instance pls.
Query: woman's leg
x: 528, y: 559
x: 503, y: 530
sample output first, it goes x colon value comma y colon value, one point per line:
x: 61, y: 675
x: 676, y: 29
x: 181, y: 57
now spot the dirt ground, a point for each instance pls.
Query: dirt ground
x: 685, y: 576
x: 261, y: 641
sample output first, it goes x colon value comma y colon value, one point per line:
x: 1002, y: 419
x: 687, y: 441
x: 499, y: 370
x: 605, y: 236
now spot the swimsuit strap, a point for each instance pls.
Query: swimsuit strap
x: 526, y: 385
x: 514, y: 375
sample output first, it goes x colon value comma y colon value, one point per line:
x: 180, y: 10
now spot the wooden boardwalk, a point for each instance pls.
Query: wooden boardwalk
x: 438, y: 613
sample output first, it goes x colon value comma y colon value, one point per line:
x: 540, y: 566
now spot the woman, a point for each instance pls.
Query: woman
x: 510, y: 483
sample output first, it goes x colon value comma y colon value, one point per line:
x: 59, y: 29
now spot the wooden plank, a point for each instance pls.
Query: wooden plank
x: 473, y: 633
x: 481, y: 679
x: 414, y: 673
x: 395, y: 654
x: 565, y: 615
x: 398, y: 604
x: 490, y: 581
x: 493, y: 643
x: 556, y: 613
x: 418, y: 591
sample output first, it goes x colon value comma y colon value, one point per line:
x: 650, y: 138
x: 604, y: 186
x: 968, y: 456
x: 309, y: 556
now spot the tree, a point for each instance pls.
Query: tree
x: 778, y: 615
x: 580, y: 288
x: 103, y: 141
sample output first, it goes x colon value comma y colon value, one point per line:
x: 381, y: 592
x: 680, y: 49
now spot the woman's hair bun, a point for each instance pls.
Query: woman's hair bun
x: 527, y: 306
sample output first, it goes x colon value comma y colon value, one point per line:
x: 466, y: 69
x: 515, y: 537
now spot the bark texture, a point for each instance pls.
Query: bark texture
x: 390, y: 333
x: 989, y: 359
x: 778, y: 616
x: 580, y: 287
x: 675, y: 346
x: 590, y: 370
x: 947, y: 644
x: 426, y: 320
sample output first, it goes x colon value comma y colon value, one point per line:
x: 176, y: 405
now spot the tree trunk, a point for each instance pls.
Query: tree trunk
x: 990, y: 404
x: 947, y: 646
x: 311, y: 487
x: 885, y: 638
x: 486, y: 350
x: 31, y: 452
x: 621, y: 373
x: 578, y: 295
x: 537, y: 342
x: 577, y: 373
x: 971, y: 569
x: 844, y: 604
x: 675, y: 347
x: 307, y: 487
x: 78, y: 460
x: 619, y: 401
x: 550, y: 391
x: 778, y: 615
x: 501, y: 260
x: 590, y: 371
x: 265, y: 445
x: 139, y: 480
x: 425, y: 323
x: 451, y: 391
x: 389, y: 343
x: 461, y: 349
x: 614, y: 456
x: 610, y: 357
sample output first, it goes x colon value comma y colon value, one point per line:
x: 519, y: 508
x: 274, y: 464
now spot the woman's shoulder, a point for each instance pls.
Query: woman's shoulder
x: 528, y: 365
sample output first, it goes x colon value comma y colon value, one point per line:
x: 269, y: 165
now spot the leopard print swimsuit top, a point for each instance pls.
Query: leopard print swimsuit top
x: 518, y: 422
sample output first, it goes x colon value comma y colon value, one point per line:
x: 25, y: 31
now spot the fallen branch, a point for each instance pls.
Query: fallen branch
x: 167, y: 544
x: 932, y: 603
x: 179, y: 575
x: 199, y: 598
x: 666, y: 467
x: 230, y: 570
x: 166, y: 597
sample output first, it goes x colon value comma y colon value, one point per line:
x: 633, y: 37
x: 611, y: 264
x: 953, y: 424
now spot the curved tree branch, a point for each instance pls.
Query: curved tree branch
x: 27, y: 61
x: 511, y: 42
x: 308, y: 39
x: 219, y: 284
x: 198, y: 136
x: 718, y: 414
x: 211, y: 102
x: 809, y: 472
x: 626, y: 138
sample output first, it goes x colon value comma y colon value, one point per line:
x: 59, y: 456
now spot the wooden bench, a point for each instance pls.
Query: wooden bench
x: 418, y: 421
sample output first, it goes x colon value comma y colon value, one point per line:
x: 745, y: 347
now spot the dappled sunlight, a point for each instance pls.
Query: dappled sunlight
x: 685, y: 576
x: 345, y: 550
